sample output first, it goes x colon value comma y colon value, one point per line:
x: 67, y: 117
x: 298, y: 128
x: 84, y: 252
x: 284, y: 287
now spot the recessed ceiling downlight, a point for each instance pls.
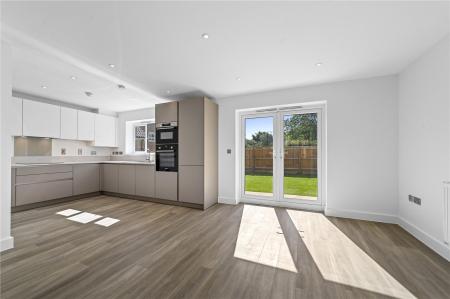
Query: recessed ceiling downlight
x: 238, y: 78
x: 319, y: 64
x: 88, y: 93
x: 43, y: 87
x: 168, y: 91
x: 112, y: 65
x: 205, y: 35
x: 73, y: 77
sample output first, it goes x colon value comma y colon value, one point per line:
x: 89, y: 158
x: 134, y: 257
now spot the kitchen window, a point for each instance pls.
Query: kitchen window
x: 144, y: 137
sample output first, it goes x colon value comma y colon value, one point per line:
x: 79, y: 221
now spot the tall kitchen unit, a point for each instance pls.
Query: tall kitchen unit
x: 198, y: 152
x: 166, y: 175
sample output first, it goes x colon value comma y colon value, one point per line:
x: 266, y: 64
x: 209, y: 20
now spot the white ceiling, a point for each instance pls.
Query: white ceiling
x: 157, y: 46
x: 33, y: 69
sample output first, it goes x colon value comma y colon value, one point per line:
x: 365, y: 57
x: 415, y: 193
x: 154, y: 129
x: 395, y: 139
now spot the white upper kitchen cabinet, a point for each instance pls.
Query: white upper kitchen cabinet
x: 41, y: 119
x: 105, y: 130
x: 86, y: 125
x: 15, y: 117
x: 69, y: 123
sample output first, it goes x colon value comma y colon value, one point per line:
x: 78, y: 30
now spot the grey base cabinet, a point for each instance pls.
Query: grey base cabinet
x: 86, y: 178
x: 32, y: 193
x: 166, y: 185
x: 145, y: 180
x: 110, y: 178
x: 126, y: 179
x: 191, y: 184
x: 129, y: 179
x: 37, y: 184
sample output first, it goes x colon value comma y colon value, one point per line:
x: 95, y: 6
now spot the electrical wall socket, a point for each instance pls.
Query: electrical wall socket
x: 414, y: 199
x: 63, y: 151
x: 417, y: 201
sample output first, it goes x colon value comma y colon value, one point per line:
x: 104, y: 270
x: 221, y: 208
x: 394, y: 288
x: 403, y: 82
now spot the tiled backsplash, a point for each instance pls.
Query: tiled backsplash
x: 45, y: 150
x: 32, y: 146
x: 78, y: 148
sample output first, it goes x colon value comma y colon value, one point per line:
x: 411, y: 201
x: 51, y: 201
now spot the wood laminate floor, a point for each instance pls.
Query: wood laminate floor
x: 242, y: 251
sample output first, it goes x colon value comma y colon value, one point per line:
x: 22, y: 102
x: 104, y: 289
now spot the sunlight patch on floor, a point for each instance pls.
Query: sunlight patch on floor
x: 68, y: 212
x: 107, y: 221
x: 261, y: 239
x: 340, y: 260
x: 84, y: 217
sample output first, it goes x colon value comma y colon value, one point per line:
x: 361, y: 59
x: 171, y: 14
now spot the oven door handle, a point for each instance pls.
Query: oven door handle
x: 165, y: 128
x: 165, y: 151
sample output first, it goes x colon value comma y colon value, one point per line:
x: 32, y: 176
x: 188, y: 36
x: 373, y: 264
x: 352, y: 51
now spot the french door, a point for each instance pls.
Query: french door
x: 281, y: 157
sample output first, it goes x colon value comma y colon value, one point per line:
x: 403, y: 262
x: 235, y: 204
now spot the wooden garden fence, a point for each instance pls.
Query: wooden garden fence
x: 298, y: 160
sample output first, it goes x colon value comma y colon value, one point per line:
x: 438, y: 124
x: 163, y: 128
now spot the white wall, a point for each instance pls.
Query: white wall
x: 140, y: 114
x: 6, y: 241
x: 424, y: 142
x: 361, y: 143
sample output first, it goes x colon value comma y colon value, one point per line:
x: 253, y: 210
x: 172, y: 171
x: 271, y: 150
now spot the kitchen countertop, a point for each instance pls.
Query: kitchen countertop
x: 20, y: 165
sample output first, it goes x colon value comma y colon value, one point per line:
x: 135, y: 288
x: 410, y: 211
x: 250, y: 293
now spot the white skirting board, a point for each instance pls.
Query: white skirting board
x: 446, y: 214
x: 227, y: 200
x: 437, y: 246
x: 352, y: 214
x: 284, y: 204
x: 6, y: 243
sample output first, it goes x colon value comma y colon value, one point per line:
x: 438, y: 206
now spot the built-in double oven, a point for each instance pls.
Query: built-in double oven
x: 167, y: 157
x: 167, y: 133
x: 167, y: 147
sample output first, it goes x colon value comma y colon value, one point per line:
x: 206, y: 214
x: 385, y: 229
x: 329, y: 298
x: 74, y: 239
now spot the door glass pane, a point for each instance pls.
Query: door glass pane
x: 259, y: 156
x: 300, y: 156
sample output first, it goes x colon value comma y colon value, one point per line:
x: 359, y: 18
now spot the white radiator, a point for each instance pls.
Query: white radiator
x: 447, y: 212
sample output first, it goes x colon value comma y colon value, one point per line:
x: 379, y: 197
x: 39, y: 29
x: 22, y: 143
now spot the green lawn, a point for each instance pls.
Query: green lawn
x: 293, y: 185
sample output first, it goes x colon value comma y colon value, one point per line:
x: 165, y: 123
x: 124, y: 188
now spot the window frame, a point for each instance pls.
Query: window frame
x: 145, y: 138
x: 145, y: 125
